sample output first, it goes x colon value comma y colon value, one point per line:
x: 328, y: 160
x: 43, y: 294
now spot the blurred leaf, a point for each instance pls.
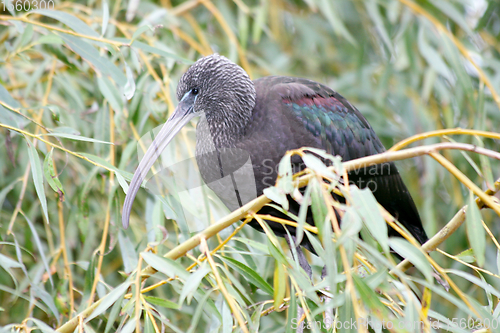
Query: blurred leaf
x: 49, y: 39
x: 36, y: 171
x: 26, y: 36
x: 433, y: 57
x: 6, y: 190
x: 372, y: 9
x: 128, y: 254
x: 140, y: 31
x: 71, y: 21
x: 259, y: 21
x: 129, y: 88
x: 156, y: 50
x: 110, y: 92
x: 338, y: 26
x: 450, y: 10
x: 475, y: 230
x: 89, y: 53
x: 6, y: 116
x: 131, y: 9
x: 105, y: 17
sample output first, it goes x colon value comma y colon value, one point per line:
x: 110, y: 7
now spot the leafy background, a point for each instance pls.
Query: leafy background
x: 81, y: 75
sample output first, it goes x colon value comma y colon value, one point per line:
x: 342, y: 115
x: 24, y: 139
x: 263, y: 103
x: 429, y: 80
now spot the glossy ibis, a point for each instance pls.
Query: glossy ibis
x: 249, y: 125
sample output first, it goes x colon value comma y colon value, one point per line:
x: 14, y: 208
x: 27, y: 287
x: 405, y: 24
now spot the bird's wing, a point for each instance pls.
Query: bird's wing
x: 329, y: 117
x: 341, y: 129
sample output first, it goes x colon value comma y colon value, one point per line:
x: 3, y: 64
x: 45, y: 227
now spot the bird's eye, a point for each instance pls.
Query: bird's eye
x: 194, y: 91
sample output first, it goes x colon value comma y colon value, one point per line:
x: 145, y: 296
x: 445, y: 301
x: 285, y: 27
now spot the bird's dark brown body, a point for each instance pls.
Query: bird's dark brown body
x: 291, y: 113
x: 247, y: 127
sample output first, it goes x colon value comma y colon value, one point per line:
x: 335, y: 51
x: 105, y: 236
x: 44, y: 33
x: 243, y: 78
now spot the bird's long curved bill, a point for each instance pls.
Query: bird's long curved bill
x: 181, y: 116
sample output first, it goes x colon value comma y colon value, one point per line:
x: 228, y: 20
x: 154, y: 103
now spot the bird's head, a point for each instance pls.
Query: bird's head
x: 213, y: 86
x: 219, y: 88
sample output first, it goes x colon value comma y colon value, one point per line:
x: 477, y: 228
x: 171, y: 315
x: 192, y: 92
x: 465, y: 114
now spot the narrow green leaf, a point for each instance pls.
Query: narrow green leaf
x: 70, y: 20
x: 42, y: 326
x: 128, y: 254
x: 114, y: 313
x: 130, y: 326
x: 252, y: 276
x: 192, y: 284
x: 26, y: 36
x: 110, y: 92
x: 475, y: 231
x: 52, y: 179
x: 279, y: 282
x: 369, y: 297
x: 109, y: 299
x: 315, y: 164
x: 129, y: 88
x: 76, y: 137
x: 164, y: 265
x: 351, y: 224
x: 8, y: 263
x: 304, y: 208
x: 90, y: 53
x: 366, y: 206
x: 259, y: 21
x: 140, y: 31
x: 485, y: 286
x: 148, y: 325
x: 127, y: 175
x: 373, y: 10
x: 410, y: 252
x: 318, y: 205
x: 199, y: 310
x: 285, y: 174
x: 448, y: 9
x: 432, y: 56
x: 277, y: 195
x: 105, y: 17
x: 162, y: 302
x: 6, y: 190
x: 46, y: 298
x: 37, y: 173
x: 155, y: 50
x: 335, y: 20
x: 6, y: 116
x: 243, y: 25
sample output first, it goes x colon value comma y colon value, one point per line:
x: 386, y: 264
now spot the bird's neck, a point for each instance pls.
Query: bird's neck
x: 220, y: 130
